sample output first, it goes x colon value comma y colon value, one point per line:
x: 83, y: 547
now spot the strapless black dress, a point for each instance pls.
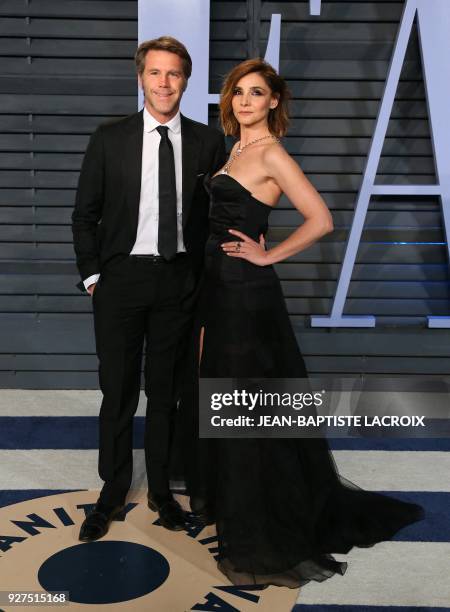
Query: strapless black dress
x: 280, y: 507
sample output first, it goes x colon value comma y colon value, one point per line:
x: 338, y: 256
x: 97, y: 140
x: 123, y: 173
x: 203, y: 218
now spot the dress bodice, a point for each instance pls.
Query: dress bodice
x: 234, y: 207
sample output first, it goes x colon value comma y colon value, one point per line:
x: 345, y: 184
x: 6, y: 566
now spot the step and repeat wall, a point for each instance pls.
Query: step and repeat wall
x: 66, y: 66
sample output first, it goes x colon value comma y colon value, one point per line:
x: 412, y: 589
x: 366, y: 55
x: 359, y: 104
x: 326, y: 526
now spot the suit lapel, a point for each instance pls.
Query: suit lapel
x: 132, y: 164
x: 190, y: 145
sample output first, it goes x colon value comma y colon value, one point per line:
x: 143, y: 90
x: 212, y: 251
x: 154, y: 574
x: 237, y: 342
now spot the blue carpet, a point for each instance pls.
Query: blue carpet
x: 435, y: 528
x: 28, y: 433
x: 385, y: 444
x: 82, y: 433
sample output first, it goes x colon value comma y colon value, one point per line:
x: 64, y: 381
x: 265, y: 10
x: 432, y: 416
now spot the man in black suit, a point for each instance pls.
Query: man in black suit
x: 139, y: 229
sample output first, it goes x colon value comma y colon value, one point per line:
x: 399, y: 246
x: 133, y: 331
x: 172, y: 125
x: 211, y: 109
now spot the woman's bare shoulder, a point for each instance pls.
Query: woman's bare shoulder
x: 275, y: 151
x: 275, y: 155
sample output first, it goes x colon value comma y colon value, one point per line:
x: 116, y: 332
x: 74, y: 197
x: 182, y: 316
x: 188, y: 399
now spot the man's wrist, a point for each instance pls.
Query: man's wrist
x: 91, y: 280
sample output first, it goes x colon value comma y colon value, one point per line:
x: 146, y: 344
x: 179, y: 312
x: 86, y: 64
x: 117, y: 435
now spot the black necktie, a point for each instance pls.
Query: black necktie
x: 167, y: 228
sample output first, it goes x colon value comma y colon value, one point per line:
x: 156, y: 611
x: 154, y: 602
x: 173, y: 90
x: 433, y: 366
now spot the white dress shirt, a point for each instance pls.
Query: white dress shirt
x: 147, y: 231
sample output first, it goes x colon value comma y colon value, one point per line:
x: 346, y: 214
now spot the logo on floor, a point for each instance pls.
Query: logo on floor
x: 138, y: 564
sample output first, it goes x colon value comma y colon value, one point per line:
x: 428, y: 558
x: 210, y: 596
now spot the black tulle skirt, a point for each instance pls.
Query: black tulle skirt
x: 280, y: 506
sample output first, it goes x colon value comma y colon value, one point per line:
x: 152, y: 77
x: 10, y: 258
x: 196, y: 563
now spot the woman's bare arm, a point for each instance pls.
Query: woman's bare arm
x: 280, y: 166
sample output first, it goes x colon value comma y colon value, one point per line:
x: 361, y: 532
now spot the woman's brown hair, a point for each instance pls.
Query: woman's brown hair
x: 278, y: 119
x: 163, y: 43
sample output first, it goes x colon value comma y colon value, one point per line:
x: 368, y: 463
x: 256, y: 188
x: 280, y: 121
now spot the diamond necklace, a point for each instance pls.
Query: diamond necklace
x: 239, y: 150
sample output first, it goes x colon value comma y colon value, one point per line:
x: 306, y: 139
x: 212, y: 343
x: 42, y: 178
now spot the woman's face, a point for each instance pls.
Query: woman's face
x: 252, y: 100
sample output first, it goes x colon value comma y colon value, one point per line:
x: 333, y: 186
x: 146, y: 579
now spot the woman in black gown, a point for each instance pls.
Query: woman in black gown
x: 280, y: 507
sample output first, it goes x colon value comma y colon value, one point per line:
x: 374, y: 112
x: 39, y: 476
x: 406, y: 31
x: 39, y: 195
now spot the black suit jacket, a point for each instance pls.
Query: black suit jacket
x: 105, y: 218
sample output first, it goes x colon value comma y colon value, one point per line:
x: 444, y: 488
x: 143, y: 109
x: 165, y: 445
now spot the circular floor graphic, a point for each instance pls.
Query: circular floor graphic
x: 104, y: 572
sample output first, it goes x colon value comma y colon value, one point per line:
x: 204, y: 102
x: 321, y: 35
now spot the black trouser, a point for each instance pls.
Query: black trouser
x: 137, y: 299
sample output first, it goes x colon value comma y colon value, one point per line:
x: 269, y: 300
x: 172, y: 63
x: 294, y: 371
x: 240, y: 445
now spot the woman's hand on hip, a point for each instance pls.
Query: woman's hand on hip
x: 246, y: 248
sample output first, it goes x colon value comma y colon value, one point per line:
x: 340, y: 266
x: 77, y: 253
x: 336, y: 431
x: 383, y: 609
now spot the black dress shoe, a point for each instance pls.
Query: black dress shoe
x: 97, y: 522
x: 201, y: 518
x: 171, y: 515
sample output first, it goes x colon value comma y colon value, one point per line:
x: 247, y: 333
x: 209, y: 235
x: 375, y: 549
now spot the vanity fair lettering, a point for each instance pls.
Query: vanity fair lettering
x: 432, y: 21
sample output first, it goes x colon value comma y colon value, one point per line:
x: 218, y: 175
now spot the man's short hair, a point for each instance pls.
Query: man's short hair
x: 163, y: 43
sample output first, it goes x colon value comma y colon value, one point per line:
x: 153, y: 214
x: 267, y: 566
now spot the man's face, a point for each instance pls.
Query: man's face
x: 163, y: 83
